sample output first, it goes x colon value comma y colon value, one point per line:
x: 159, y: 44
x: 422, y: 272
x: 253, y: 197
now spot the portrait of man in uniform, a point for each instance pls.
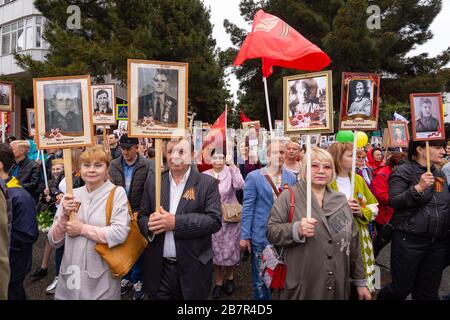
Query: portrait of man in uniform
x: 63, y: 109
x: 103, y: 101
x: 159, y: 105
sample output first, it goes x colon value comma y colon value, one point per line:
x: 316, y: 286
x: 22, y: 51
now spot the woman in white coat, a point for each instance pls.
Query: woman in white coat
x: 84, y: 275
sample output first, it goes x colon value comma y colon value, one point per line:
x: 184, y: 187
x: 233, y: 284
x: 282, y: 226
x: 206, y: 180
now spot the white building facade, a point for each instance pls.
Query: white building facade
x: 21, y: 29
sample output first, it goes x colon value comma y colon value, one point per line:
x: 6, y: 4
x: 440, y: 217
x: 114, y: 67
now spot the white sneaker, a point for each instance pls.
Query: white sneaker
x: 52, y: 287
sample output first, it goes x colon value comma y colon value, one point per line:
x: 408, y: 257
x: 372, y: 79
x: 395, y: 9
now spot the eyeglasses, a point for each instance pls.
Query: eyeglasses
x: 316, y: 167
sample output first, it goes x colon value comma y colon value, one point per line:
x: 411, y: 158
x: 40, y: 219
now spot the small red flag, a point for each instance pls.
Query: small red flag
x: 278, y: 44
x: 218, y: 132
x: 244, y: 117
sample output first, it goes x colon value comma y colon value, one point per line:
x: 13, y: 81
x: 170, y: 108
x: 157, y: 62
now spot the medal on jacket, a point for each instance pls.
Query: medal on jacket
x: 438, y: 184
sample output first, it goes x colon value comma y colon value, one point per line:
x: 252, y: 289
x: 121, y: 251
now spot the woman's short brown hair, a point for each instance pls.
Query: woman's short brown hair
x: 95, y: 153
x: 337, y: 150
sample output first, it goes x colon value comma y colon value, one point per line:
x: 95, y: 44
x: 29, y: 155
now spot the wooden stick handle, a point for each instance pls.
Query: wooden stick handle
x: 428, y: 156
x: 308, y: 176
x: 158, y: 156
x: 67, y: 153
x: 353, y: 174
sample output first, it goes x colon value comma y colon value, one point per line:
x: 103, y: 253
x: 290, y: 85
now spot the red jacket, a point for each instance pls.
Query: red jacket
x: 371, y: 163
x: 380, y: 190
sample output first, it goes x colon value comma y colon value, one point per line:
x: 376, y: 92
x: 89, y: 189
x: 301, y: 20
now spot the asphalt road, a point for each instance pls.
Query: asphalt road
x: 36, y: 290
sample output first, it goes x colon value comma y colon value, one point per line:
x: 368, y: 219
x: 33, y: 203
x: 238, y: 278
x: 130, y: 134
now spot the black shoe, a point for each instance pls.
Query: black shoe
x: 216, y: 292
x: 229, y: 287
x: 39, y: 274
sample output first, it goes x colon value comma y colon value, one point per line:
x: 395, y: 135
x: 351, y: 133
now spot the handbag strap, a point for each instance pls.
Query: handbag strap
x: 109, y: 205
x: 291, y: 211
x: 272, y: 185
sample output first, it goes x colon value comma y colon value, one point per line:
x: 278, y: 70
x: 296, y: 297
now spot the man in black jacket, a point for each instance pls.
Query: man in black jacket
x: 421, y: 203
x: 113, y: 140
x: 178, y: 260
x: 130, y: 171
x: 25, y: 170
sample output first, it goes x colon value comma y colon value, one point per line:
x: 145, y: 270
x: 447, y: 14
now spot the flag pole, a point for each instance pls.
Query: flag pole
x: 308, y: 176
x: 267, y: 104
x: 355, y: 140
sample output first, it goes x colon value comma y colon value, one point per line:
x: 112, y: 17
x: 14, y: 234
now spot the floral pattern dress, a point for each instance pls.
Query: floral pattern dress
x: 225, y: 242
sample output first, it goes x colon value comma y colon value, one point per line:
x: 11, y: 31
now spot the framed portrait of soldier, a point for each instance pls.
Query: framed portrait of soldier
x: 308, y: 103
x: 104, y: 103
x: 63, y: 112
x: 360, y: 98
x: 427, y: 116
x: 6, y: 96
x: 398, y: 132
x: 158, y: 93
x: 376, y: 141
x: 31, y: 122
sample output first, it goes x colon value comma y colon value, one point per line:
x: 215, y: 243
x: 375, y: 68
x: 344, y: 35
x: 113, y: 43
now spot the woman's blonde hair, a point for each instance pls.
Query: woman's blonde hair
x: 337, y: 150
x: 96, y: 153
x: 320, y: 155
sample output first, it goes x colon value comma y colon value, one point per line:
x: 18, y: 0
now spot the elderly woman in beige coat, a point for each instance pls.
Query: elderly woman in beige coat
x: 83, y: 274
x: 321, y: 253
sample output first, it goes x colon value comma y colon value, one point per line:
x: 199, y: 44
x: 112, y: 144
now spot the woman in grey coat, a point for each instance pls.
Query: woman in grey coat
x: 321, y: 253
x: 83, y: 274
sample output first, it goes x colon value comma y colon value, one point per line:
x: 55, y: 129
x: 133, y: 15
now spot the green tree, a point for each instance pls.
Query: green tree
x: 339, y: 27
x: 113, y: 31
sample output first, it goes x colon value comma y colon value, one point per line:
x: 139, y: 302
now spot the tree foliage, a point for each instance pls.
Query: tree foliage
x: 339, y: 27
x: 113, y: 31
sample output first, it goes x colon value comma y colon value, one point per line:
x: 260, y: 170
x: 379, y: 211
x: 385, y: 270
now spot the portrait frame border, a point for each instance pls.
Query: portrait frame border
x: 88, y: 123
x: 12, y: 91
x: 113, y: 105
x: 391, y: 133
x: 329, y: 83
x: 413, y: 115
x: 29, y: 110
x: 343, y: 111
x: 184, y: 104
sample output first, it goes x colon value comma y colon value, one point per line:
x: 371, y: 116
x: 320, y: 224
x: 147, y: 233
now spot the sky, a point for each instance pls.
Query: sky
x: 229, y: 9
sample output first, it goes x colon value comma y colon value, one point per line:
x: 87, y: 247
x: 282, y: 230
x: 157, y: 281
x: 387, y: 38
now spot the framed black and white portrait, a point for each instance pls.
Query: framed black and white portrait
x: 6, y: 96
x: 63, y: 112
x: 158, y: 93
x: 31, y: 122
x: 427, y: 116
x: 308, y: 103
x: 359, y: 101
x: 104, y: 103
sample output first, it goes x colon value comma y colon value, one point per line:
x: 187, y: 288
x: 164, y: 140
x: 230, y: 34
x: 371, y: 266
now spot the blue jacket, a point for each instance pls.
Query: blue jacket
x: 258, y: 201
x: 24, y: 230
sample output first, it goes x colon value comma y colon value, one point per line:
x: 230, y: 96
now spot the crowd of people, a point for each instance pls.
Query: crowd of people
x: 215, y: 214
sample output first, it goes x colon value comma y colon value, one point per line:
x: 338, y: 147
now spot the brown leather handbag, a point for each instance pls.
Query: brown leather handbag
x: 122, y: 257
x: 232, y: 213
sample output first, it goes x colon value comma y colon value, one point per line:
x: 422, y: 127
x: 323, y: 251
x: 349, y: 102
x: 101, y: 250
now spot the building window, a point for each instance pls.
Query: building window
x: 21, y: 35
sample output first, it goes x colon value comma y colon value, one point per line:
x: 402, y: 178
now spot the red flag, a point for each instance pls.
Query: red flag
x: 218, y: 132
x: 244, y: 117
x: 278, y: 44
